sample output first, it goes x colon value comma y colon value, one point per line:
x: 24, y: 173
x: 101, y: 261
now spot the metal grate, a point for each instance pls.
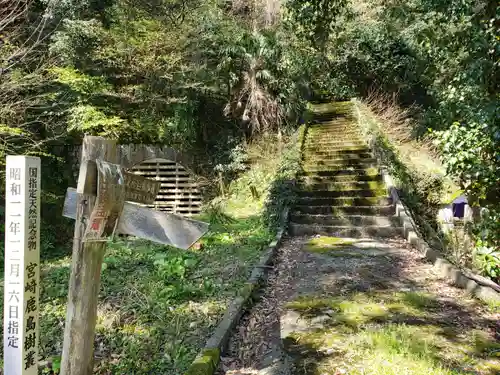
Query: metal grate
x: 179, y: 193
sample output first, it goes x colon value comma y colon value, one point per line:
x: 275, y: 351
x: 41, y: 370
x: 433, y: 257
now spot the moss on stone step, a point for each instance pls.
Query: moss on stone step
x: 339, y: 165
x: 337, y: 149
x: 206, y: 363
x: 344, y: 201
x: 336, y: 168
x: 325, y: 244
x: 339, y: 186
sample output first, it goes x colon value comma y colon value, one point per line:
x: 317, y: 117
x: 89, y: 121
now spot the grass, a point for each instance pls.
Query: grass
x: 158, y: 304
x: 383, y: 333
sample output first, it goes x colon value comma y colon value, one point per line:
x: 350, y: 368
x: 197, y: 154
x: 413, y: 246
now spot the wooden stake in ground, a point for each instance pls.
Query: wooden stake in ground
x: 79, y: 332
x: 100, y: 209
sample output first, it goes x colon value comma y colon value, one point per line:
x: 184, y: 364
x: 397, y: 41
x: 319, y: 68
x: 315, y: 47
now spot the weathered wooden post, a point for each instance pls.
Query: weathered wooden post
x: 22, y: 265
x: 84, y: 284
x: 99, y: 206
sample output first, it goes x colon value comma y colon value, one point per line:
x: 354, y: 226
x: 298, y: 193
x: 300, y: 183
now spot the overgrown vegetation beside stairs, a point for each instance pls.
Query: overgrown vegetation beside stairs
x: 161, y: 303
x: 421, y: 180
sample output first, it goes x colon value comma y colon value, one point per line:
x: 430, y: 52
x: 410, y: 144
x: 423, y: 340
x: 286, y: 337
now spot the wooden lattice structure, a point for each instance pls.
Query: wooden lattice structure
x: 179, y: 192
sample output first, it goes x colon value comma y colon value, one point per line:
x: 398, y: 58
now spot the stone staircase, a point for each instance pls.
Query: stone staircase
x: 341, y: 190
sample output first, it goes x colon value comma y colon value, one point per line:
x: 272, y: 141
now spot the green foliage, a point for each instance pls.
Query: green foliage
x: 445, y: 58
x: 215, y: 211
x: 238, y: 161
x: 488, y: 241
x: 314, y: 20
x: 158, y: 72
x: 423, y: 193
x: 90, y: 120
x: 489, y: 259
x: 282, y: 193
x: 473, y: 156
x: 255, y: 70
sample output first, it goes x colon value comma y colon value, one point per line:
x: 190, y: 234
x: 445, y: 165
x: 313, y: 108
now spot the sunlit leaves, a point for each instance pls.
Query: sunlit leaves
x: 91, y: 120
x: 314, y: 20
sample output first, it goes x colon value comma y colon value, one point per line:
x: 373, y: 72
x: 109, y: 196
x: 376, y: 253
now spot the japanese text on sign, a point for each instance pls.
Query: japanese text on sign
x: 109, y: 203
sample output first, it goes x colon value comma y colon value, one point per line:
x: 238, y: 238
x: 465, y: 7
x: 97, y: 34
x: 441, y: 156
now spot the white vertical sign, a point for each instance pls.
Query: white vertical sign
x: 22, y: 265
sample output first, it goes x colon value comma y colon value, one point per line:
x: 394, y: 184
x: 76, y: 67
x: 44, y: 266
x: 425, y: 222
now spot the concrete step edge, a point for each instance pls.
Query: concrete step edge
x: 383, y: 210
x: 365, y: 193
x: 345, y: 220
x: 347, y: 178
x: 360, y: 231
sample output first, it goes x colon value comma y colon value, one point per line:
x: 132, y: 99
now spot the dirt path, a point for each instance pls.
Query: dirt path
x: 361, y: 306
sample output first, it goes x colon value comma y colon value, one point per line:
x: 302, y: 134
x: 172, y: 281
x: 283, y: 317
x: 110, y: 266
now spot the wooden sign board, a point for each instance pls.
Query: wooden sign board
x: 22, y: 266
x: 140, y: 189
x: 142, y: 222
x: 114, y: 186
x: 109, y: 204
x: 137, y: 188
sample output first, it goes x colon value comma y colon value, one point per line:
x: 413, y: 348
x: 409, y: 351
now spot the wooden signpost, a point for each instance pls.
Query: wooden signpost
x: 22, y: 266
x: 100, y: 206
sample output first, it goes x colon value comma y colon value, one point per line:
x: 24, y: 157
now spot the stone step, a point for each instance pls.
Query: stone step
x: 342, y: 186
x: 361, y: 193
x: 325, y: 121
x: 322, y: 118
x: 342, y: 168
x: 330, y: 138
x: 339, y: 154
x: 347, y: 220
x: 332, y: 130
x: 332, y: 123
x: 330, y: 148
x: 340, y: 231
x: 351, y: 155
x: 312, y: 178
x: 339, y: 162
x: 329, y: 121
x: 332, y: 127
x: 345, y: 210
x: 344, y: 201
x: 333, y: 171
x: 314, y: 145
x: 345, y: 135
x: 317, y: 123
x: 325, y: 170
x: 344, y: 132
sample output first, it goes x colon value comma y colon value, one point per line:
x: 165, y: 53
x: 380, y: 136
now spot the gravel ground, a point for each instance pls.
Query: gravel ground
x: 256, y: 347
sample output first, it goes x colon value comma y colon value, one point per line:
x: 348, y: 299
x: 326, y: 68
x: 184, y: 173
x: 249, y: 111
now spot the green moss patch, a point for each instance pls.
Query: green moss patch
x: 206, y: 364
x: 389, y: 334
x: 325, y: 244
x: 361, y: 308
